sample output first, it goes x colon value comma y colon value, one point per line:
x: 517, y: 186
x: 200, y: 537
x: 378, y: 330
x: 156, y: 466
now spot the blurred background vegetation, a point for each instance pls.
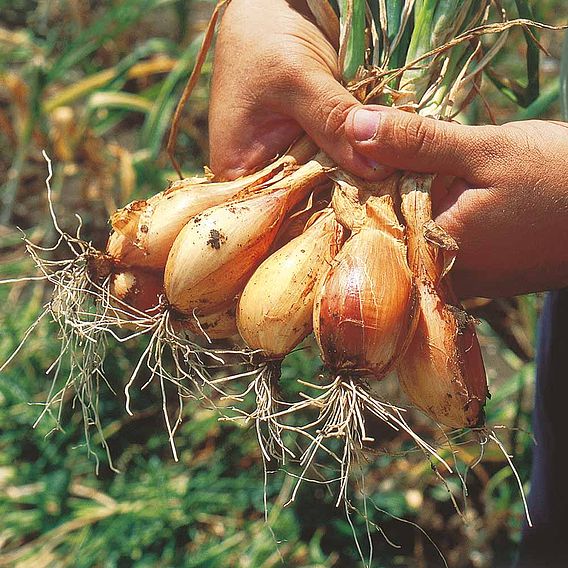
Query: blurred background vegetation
x: 95, y: 85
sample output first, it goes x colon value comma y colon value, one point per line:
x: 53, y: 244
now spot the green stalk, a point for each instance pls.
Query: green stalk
x: 112, y: 78
x: 420, y: 42
x: 352, y: 19
x: 438, y: 22
x: 448, y: 20
x: 415, y: 81
x: 115, y: 21
x: 158, y: 120
x: 458, y: 56
x: 520, y: 94
x: 394, y: 15
x: 457, y: 59
x: 564, y: 79
x: 533, y: 55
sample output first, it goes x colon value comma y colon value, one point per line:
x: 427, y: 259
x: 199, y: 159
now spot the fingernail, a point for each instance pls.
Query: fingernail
x: 365, y: 124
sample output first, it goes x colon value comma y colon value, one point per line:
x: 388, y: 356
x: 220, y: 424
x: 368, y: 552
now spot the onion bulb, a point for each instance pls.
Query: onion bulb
x: 217, y: 251
x: 442, y: 372
x: 275, y: 309
x: 136, y: 289
x: 365, y: 306
x: 144, y: 230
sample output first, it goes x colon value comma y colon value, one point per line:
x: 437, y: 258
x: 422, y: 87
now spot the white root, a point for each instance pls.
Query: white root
x: 88, y: 316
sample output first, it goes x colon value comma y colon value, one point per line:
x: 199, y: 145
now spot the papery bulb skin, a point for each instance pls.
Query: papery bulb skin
x: 294, y: 225
x: 366, y: 304
x: 276, y: 306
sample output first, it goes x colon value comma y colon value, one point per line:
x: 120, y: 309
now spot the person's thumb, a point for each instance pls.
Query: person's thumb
x: 408, y: 141
x: 246, y: 133
x: 320, y: 105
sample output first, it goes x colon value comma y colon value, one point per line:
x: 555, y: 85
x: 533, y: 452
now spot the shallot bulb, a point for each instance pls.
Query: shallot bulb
x: 144, y: 230
x: 366, y: 304
x: 136, y: 292
x: 276, y: 306
x: 442, y: 371
x: 216, y: 252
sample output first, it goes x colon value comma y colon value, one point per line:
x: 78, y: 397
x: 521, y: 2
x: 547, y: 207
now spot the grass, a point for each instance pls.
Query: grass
x: 96, y: 89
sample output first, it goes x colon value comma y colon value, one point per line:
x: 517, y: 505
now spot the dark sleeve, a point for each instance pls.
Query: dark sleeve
x: 546, y: 544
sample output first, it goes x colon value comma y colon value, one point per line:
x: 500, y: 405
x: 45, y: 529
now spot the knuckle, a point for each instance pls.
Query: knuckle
x: 527, y: 142
x: 334, y: 110
x: 421, y: 135
x: 493, y: 145
x: 305, y: 95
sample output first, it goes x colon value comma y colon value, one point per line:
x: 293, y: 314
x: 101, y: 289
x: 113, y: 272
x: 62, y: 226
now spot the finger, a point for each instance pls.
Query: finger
x: 408, y: 141
x: 253, y: 139
x: 453, y: 207
x: 466, y: 213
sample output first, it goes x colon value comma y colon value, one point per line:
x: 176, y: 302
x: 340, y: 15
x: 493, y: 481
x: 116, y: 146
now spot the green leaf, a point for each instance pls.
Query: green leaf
x: 564, y: 79
x: 352, y: 18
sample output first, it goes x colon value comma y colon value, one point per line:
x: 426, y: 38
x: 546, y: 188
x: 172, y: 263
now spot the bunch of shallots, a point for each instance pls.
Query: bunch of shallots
x: 299, y: 247
x: 302, y: 246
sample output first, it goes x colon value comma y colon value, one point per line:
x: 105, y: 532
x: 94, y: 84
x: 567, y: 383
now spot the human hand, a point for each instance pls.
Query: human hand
x: 275, y: 75
x: 508, y: 205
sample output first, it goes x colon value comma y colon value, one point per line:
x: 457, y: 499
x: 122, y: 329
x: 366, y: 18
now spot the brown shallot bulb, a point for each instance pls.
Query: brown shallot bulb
x: 442, y: 371
x: 276, y: 306
x: 365, y: 306
x: 144, y: 230
x: 137, y: 291
x: 217, y: 251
